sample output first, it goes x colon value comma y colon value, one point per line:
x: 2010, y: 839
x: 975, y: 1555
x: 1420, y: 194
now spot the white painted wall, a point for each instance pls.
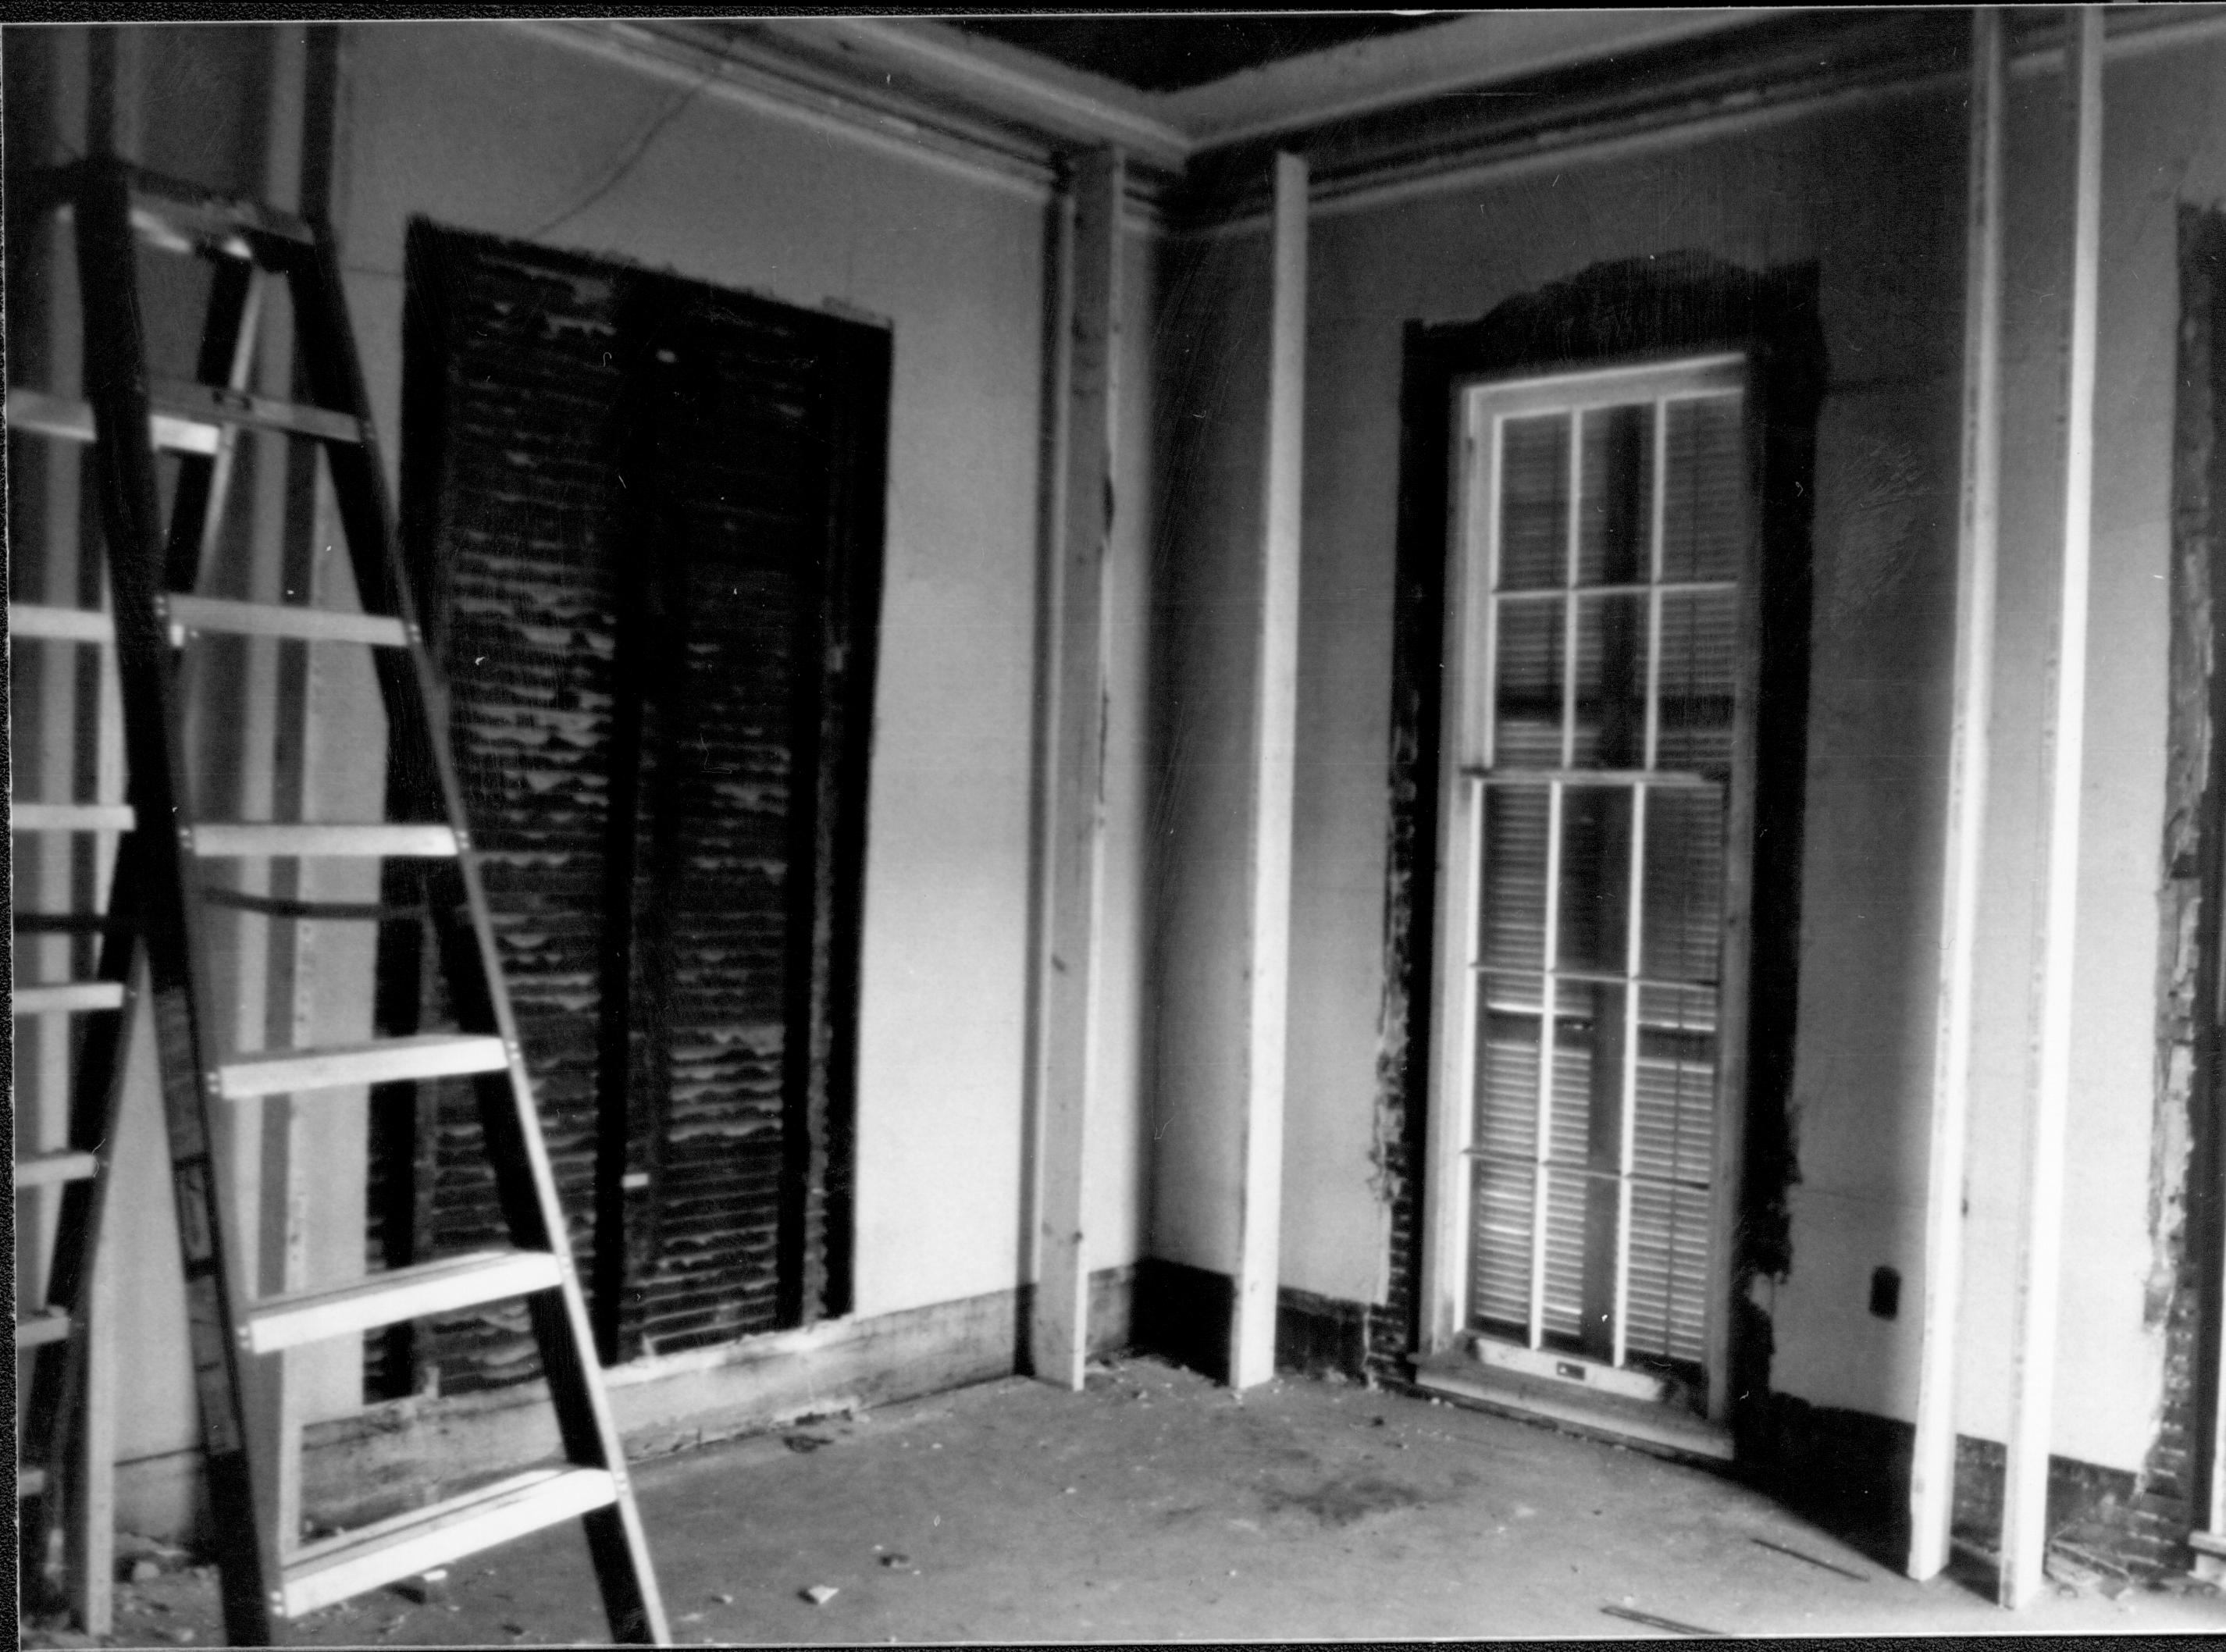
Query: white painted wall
x: 496, y: 130
x: 491, y: 127
x: 1875, y: 195
x: 2164, y: 141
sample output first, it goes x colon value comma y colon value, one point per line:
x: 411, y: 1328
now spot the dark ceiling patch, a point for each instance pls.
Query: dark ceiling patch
x: 1167, y: 53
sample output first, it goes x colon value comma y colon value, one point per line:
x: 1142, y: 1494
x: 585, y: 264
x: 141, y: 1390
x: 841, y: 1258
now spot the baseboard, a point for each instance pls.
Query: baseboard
x: 1183, y: 1313
x: 397, y: 1455
x: 1319, y: 1336
x: 1849, y: 1470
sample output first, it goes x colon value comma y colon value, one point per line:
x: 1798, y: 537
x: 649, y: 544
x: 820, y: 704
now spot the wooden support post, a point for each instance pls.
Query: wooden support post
x: 1933, y: 1472
x: 2025, y: 1500
x: 1259, y: 1241
x: 1058, y: 1328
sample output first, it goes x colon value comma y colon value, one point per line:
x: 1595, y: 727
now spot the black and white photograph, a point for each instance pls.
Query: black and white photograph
x: 1044, y: 827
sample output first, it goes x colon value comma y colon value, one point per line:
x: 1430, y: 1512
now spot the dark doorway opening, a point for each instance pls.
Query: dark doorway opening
x: 645, y: 518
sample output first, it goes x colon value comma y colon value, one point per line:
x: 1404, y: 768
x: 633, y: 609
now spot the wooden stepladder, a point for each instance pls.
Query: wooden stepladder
x: 161, y: 890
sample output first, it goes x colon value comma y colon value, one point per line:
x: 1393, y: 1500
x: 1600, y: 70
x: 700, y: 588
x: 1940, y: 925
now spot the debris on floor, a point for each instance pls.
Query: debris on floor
x: 1651, y: 1621
x: 1803, y: 1555
x: 426, y: 1589
x: 1484, y: 1525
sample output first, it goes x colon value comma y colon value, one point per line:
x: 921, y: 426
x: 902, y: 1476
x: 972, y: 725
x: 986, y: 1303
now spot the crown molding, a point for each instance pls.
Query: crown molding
x: 1061, y: 103
x: 1481, y: 49
x: 1377, y: 119
x: 743, y: 71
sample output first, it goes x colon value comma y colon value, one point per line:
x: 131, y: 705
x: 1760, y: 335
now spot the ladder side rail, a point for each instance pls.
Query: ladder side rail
x: 419, y: 754
x: 58, y: 1374
x: 76, y: 1503
x: 116, y: 377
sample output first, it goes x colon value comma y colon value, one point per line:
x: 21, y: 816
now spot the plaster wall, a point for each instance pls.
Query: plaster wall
x: 1873, y: 193
x: 496, y: 130
x: 493, y: 128
x: 2164, y: 141
x: 219, y: 105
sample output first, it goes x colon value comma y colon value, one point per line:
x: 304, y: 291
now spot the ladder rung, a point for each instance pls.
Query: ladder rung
x: 70, y: 817
x: 69, y: 997
x: 36, y: 411
x: 44, y: 1169
x: 424, y: 1055
x: 63, y: 625
x: 37, y: 1329
x: 271, y: 619
x: 176, y: 205
x: 391, y: 1297
x: 30, y: 1481
x: 332, y: 1569
x: 211, y: 405
x: 370, y: 839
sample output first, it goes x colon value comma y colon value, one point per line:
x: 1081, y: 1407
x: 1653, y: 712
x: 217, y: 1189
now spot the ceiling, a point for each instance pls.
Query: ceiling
x: 1175, y: 52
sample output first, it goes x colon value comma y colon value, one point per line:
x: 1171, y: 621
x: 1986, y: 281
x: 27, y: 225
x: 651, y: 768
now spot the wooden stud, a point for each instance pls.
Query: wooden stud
x: 1058, y: 1328
x: 1252, y: 1350
x: 2033, y: 1376
x: 1932, y: 1473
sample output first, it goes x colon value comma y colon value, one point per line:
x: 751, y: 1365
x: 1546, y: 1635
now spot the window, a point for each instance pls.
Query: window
x: 1602, y: 572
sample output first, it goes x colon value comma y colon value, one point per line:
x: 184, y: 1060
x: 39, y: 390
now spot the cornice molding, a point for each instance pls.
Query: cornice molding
x: 1059, y: 103
x: 1807, y: 62
x: 1484, y: 49
x: 995, y: 115
x: 744, y: 72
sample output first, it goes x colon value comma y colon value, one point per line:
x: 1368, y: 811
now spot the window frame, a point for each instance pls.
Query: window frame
x: 1643, y: 310
x: 1479, y: 403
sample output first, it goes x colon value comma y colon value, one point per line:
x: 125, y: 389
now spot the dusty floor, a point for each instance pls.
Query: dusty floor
x: 1157, y: 1506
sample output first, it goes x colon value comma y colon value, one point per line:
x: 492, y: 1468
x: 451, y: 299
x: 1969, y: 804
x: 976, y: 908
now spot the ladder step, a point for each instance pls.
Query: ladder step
x: 30, y: 1481
x: 424, y: 1055
x: 271, y: 619
x: 44, y: 1169
x: 63, y: 624
x: 40, y: 414
x: 389, y: 1298
x: 185, y: 415
x: 70, y: 817
x: 68, y: 997
x: 37, y: 1329
x: 177, y: 205
x: 365, y: 840
x: 216, y: 405
x: 332, y: 1569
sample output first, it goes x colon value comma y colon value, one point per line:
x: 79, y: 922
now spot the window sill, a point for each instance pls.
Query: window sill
x: 1462, y: 1377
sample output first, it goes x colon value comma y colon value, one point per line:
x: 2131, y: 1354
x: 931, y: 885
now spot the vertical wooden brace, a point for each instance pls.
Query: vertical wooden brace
x: 1932, y: 1474
x: 2025, y: 1502
x: 1252, y: 1352
x: 1058, y: 1328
